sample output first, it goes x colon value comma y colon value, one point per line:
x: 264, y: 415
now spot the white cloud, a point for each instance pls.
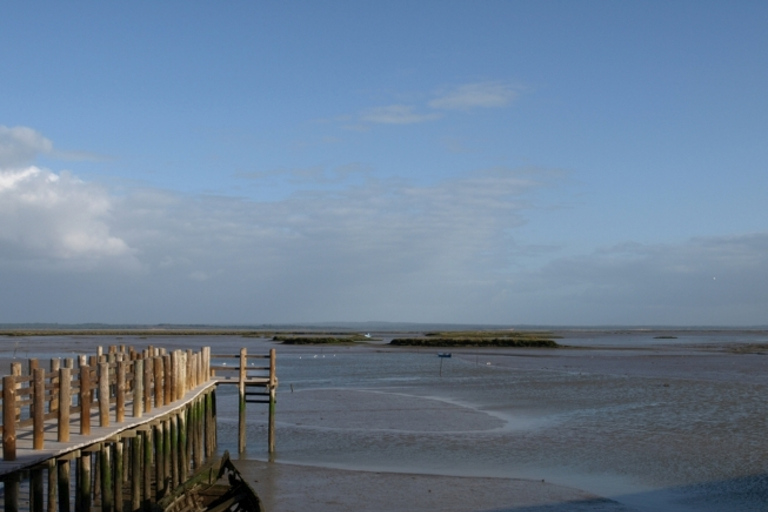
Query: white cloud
x: 396, y: 114
x: 20, y: 145
x: 477, y: 95
x: 53, y: 217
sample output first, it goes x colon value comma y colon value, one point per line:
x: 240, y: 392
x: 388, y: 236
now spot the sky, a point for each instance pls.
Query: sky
x: 502, y: 162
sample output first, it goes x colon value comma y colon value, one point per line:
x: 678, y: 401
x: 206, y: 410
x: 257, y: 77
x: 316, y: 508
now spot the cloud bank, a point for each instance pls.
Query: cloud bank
x: 48, y: 218
x: 72, y: 251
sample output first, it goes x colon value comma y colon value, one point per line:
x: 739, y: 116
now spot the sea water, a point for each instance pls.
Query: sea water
x: 677, y: 424
x: 655, y: 423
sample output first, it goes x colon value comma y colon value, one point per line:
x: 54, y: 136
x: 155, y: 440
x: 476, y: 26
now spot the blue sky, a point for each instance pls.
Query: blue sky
x: 571, y: 163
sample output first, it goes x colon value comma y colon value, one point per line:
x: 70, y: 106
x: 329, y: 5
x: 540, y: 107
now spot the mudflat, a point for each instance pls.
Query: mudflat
x: 295, y: 488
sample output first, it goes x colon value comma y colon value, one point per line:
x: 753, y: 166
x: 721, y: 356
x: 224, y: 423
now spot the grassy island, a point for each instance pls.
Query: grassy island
x: 292, y: 339
x: 480, y: 339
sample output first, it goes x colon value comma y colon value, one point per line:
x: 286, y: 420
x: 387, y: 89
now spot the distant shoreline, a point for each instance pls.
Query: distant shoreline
x: 20, y: 330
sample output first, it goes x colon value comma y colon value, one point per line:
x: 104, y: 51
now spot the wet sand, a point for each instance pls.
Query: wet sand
x: 296, y: 488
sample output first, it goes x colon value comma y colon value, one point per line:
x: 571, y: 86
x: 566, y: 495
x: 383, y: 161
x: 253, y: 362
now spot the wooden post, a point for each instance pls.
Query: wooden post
x: 183, y: 448
x: 176, y: 362
x: 85, y: 400
x: 196, y: 424
x: 103, y: 394
x: 120, y: 392
x: 83, y: 485
x: 167, y: 449
x: 33, y: 365
x: 159, y: 460
x: 194, y: 359
x: 119, y: 474
x: 136, y: 472
x: 146, y: 445
x: 148, y: 384
x: 63, y: 485
x: 168, y: 381
x: 65, y: 402
x: 212, y: 415
x: 173, y: 450
x: 181, y: 368
x: 36, y: 489
x: 11, y: 492
x: 241, y: 389
x: 188, y: 361
x: 53, y: 402
x: 209, y: 443
x: 138, y: 387
x: 107, y: 483
x: 206, y: 364
x: 16, y: 371
x: 51, y: 466
x: 9, y: 417
x: 272, y: 395
x: 159, y: 393
x: 38, y: 408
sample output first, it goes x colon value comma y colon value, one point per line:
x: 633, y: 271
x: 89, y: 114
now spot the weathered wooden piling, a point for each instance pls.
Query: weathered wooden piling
x: 9, y: 418
x: 241, y: 402
x: 272, y: 399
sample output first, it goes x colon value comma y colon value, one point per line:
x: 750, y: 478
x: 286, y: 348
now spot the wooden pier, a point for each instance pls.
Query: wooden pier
x: 119, y: 430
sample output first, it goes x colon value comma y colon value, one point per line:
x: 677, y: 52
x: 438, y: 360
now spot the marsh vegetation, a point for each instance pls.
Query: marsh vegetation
x: 481, y: 339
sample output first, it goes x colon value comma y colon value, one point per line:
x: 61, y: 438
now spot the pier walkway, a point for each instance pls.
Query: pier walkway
x: 126, y: 427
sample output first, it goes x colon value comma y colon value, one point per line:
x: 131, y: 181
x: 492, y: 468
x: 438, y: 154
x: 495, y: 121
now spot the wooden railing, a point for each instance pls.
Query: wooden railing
x: 129, y: 463
x: 109, y: 382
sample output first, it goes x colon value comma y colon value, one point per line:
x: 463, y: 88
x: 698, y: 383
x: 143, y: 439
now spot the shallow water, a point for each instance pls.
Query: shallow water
x: 662, y: 425
x: 656, y: 424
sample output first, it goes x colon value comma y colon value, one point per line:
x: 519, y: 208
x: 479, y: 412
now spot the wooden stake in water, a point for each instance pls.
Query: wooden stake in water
x: 241, y: 387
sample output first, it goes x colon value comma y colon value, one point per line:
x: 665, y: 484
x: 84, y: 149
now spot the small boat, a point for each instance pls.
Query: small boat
x: 444, y: 354
x: 202, y: 493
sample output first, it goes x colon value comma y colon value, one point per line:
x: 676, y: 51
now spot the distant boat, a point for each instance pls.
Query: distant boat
x: 444, y: 354
x: 367, y: 335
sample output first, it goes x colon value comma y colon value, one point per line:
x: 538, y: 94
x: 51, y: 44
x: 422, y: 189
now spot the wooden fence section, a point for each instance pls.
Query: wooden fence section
x: 108, y: 383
